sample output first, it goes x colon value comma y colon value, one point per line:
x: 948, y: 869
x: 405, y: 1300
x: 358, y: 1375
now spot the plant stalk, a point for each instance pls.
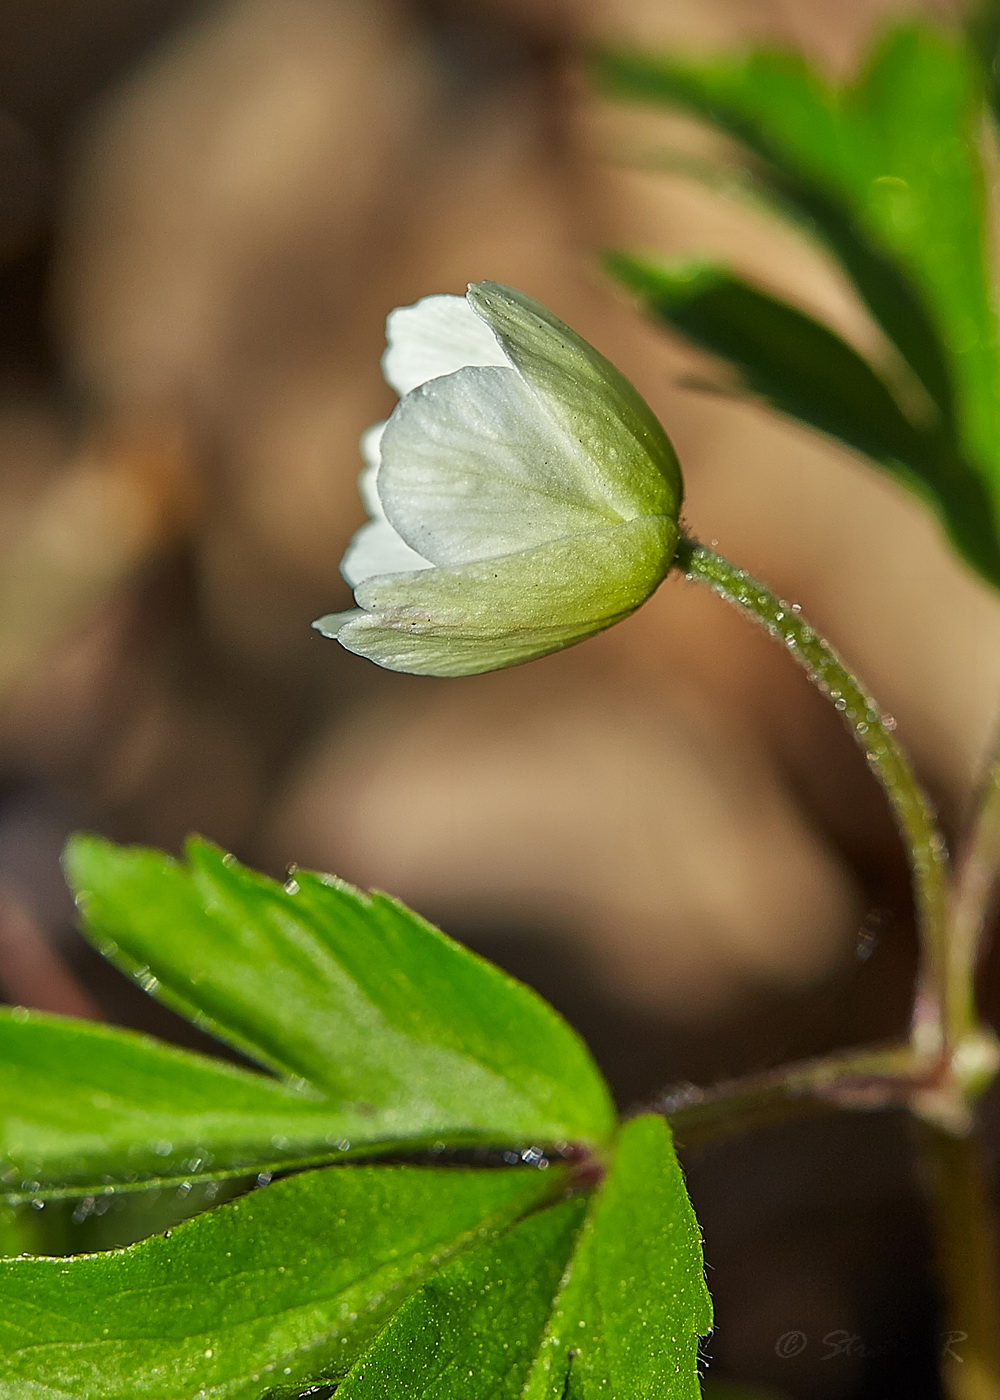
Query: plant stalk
x: 866, y: 1080
x: 873, y: 731
x: 965, y: 1237
x: 953, y: 1056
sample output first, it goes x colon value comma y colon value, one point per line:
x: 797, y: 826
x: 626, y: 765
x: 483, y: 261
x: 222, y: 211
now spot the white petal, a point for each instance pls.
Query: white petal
x: 378, y: 549
x: 436, y: 336
x: 331, y: 624
x: 370, y: 444
x: 371, y: 452
x: 472, y: 468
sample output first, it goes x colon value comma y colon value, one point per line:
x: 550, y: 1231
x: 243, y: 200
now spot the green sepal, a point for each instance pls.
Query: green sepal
x: 596, y: 404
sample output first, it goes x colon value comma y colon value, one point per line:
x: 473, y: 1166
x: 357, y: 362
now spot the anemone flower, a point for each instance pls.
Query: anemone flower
x: 522, y: 495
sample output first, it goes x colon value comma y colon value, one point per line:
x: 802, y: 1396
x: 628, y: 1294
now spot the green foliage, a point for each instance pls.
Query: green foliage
x: 84, y: 1105
x: 480, y: 1283
x: 633, y: 1302
x: 792, y: 361
x: 286, y: 1281
x: 887, y: 172
x: 488, y: 1310
x: 631, y: 1299
x: 386, y: 1280
x: 387, y: 1035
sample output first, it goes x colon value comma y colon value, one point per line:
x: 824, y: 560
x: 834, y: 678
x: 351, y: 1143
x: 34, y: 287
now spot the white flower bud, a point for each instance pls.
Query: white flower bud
x: 522, y: 495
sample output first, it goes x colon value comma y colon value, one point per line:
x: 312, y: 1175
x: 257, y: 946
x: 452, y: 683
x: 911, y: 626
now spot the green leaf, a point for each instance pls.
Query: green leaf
x: 886, y: 167
x: 783, y: 355
x: 791, y: 119
x: 475, y: 1328
x: 634, y: 1302
x: 383, y: 1280
x: 84, y: 1106
x: 17, y: 1230
x: 597, y: 1300
x: 802, y: 369
x: 888, y: 171
x: 278, y: 1286
x: 349, y: 994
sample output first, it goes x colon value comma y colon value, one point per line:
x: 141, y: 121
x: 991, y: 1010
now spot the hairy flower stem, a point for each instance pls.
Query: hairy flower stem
x: 873, y: 731
x: 952, y: 1056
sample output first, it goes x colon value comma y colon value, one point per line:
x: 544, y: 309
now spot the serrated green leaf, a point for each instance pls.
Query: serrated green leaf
x: 802, y: 369
x: 894, y: 153
x: 888, y: 171
x: 650, y: 1294
x: 633, y: 1302
x: 85, y: 1106
x: 473, y: 1330
x: 642, y: 1292
x: 281, y: 1285
x: 352, y: 994
x: 599, y: 1299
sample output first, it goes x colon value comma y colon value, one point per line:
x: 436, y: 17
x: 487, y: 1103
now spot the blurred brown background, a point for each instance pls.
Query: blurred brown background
x: 206, y: 211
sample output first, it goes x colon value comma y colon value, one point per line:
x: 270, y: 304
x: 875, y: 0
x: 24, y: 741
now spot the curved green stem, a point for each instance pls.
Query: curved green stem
x: 873, y: 731
x: 953, y: 1057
